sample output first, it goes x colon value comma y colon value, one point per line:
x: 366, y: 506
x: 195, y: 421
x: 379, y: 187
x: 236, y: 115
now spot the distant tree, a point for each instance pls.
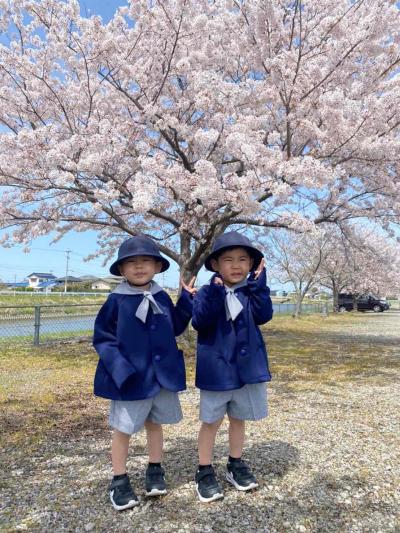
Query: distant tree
x: 296, y: 259
x: 359, y: 261
x: 349, y: 258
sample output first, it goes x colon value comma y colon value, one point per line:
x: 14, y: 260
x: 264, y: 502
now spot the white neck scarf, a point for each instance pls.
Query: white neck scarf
x: 232, y: 303
x: 147, y: 301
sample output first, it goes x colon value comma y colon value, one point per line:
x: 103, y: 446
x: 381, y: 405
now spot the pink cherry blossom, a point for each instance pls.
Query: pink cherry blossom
x: 180, y: 119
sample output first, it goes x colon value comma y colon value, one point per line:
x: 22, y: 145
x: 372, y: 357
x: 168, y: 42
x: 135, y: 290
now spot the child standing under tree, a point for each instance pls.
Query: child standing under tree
x: 232, y: 365
x: 140, y: 368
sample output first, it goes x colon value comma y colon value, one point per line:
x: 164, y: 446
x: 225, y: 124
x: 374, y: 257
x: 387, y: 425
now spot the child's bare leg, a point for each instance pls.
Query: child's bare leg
x: 236, y: 437
x: 122, y: 494
x: 238, y: 474
x: 154, y: 434
x: 206, y: 441
x: 119, y: 451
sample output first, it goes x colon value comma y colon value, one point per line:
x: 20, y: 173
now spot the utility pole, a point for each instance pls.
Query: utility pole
x: 66, y: 270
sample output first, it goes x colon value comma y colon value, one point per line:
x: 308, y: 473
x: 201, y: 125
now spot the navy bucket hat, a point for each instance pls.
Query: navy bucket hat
x: 138, y: 245
x: 233, y: 239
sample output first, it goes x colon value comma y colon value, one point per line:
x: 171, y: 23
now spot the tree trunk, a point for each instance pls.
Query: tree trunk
x: 188, y: 273
x: 297, y: 310
x: 300, y: 297
x: 335, y: 292
x: 299, y: 300
x: 187, y: 340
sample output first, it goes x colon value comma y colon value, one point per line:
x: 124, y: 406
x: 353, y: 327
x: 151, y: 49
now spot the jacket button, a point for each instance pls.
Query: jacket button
x: 153, y: 326
x: 243, y: 351
x: 157, y: 357
x: 240, y: 322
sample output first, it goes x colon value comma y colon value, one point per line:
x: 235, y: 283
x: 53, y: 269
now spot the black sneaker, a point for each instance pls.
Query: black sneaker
x: 122, y: 495
x: 155, y: 482
x: 240, y: 476
x: 207, y: 486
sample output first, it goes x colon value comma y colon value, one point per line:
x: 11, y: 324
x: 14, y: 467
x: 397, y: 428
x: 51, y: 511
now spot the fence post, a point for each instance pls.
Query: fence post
x: 36, y: 334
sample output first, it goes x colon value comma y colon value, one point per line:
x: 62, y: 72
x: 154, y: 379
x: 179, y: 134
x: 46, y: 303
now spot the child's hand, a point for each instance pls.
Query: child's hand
x: 218, y: 280
x: 189, y: 287
x: 259, y: 269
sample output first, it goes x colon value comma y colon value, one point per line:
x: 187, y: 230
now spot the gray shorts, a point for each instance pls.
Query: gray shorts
x: 246, y: 403
x: 129, y: 416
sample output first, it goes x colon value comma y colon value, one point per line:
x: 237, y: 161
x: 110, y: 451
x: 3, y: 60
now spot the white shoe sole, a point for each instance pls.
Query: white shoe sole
x: 156, y: 492
x: 131, y: 503
x: 229, y: 477
x: 214, y: 497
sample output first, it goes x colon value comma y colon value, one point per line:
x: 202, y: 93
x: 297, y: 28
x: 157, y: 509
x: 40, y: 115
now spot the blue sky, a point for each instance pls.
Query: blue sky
x: 43, y: 257
x: 104, y: 8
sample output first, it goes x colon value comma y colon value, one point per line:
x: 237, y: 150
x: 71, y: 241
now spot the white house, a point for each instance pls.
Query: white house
x: 105, y: 284
x: 36, y: 278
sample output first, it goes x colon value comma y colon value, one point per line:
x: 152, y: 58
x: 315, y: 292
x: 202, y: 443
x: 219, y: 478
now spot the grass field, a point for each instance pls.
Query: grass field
x: 49, y: 299
x: 23, y: 306
x: 49, y: 379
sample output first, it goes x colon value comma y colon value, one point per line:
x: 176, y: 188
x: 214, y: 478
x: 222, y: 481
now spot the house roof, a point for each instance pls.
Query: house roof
x: 46, y: 284
x: 109, y: 279
x: 42, y: 275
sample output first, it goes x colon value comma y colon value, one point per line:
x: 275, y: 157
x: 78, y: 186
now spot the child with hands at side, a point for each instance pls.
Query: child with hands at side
x: 232, y: 364
x: 140, y: 368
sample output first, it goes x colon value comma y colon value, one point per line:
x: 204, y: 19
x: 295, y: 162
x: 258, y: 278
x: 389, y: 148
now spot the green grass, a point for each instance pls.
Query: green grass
x: 58, y: 308
x: 48, y: 389
x: 47, y: 337
x: 394, y: 304
x: 316, y: 350
x: 49, y: 299
x: 43, y: 390
x: 10, y: 299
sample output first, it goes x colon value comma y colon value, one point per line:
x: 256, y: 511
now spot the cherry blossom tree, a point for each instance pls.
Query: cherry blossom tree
x: 361, y: 261
x: 352, y: 259
x: 180, y: 118
x: 356, y: 260
x: 296, y: 259
x: 335, y: 272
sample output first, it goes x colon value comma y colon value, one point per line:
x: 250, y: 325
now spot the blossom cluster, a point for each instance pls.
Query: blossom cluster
x: 183, y: 117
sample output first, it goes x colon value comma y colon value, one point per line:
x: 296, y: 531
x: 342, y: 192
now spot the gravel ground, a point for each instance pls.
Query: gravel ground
x: 327, y: 459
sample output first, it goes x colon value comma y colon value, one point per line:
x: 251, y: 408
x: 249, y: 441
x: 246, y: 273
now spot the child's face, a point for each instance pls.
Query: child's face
x: 233, y: 265
x: 140, y: 269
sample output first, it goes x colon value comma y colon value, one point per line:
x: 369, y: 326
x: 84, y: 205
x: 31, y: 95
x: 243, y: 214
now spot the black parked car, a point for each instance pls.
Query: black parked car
x: 367, y: 302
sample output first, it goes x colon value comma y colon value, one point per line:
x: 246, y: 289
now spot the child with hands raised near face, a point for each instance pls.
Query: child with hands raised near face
x: 232, y: 364
x: 140, y: 368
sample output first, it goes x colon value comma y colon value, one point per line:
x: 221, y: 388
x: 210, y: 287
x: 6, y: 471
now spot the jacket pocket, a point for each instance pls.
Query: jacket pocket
x: 214, y: 369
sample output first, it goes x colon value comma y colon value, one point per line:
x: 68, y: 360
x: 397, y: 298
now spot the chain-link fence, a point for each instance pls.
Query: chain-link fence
x: 44, y: 323
x: 290, y: 308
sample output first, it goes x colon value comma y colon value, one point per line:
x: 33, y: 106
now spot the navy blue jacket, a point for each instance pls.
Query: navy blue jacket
x: 231, y: 354
x: 136, y: 358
